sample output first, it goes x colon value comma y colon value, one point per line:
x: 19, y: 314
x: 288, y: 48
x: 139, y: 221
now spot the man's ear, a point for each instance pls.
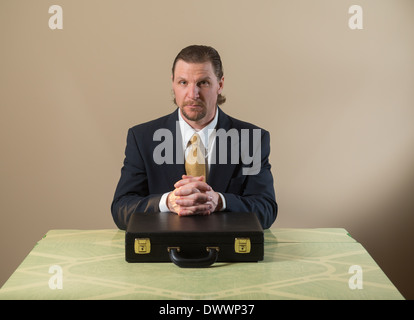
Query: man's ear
x: 221, y: 85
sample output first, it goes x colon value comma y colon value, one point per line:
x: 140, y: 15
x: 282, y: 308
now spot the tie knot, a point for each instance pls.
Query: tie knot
x: 195, y: 138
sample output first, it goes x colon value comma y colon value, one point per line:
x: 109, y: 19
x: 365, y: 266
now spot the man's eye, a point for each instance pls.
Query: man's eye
x: 182, y: 82
x: 204, y: 83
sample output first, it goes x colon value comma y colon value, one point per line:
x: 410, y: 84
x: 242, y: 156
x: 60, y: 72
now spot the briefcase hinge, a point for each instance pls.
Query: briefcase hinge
x: 242, y: 245
x: 142, y: 245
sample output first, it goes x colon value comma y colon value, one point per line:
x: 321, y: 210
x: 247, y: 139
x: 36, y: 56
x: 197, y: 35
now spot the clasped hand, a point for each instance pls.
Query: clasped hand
x: 193, y: 196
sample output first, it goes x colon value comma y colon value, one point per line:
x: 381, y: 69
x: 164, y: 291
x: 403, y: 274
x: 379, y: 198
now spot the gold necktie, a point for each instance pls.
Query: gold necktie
x: 195, y: 164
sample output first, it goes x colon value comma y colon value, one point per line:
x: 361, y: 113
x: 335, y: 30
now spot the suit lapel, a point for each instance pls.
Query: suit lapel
x: 220, y: 174
x: 174, y: 171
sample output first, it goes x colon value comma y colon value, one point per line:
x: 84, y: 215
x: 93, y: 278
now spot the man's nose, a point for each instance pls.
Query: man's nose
x: 193, y: 91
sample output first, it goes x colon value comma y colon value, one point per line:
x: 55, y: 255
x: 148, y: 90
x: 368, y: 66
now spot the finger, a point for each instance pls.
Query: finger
x: 195, y: 210
x: 193, y: 187
x: 194, y: 199
x: 187, y: 179
x: 184, y: 176
x: 185, y: 191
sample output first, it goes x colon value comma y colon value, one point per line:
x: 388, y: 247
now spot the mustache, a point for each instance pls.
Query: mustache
x: 194, y: 103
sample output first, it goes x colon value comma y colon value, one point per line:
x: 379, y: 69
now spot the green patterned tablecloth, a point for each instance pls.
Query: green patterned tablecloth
x: 298, y: 264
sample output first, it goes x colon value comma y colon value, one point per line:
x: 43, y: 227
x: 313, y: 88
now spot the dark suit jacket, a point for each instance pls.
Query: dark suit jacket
x: 143, y: 182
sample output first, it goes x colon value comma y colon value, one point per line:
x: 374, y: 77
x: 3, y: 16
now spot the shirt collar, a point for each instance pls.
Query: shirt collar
x: 187, y: 131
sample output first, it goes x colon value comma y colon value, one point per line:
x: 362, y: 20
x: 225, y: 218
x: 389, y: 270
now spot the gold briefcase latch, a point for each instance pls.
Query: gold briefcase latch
x: 142, y: 245
x: 242, y: 245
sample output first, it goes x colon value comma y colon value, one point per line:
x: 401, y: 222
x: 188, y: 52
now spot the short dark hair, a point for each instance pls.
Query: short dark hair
x: 201, y: 54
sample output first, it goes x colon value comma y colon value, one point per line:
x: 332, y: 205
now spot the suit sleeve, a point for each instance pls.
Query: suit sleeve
x: 257, y: 192
x: 132, y: 192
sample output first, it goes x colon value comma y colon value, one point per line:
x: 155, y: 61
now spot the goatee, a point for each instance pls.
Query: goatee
x: 196, y: 116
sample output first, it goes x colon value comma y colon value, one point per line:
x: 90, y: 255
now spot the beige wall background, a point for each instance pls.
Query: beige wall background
x: 339, y: 104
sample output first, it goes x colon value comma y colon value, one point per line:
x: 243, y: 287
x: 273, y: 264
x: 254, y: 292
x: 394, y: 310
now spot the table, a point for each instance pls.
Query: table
x: 298, y: 264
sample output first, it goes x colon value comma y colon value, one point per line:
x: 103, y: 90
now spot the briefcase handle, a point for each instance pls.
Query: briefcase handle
x: 202, y: 262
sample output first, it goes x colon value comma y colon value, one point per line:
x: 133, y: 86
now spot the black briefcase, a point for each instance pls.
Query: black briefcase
x: 194, y: 241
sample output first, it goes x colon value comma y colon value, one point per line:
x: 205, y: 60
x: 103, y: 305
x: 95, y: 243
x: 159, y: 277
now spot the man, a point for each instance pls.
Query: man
x: 195, y: 169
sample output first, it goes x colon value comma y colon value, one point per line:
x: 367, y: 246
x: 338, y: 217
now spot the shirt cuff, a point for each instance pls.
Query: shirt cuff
x: 163, y: 203
x: 223, y: 201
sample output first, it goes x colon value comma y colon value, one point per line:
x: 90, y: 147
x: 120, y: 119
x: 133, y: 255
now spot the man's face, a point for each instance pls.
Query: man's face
x: 196, y: 89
